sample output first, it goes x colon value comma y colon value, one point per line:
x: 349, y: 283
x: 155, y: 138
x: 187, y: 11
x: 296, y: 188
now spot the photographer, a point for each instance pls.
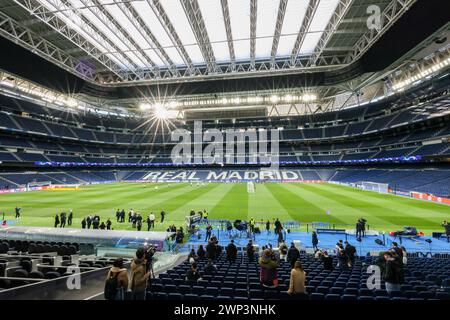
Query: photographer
x: 139, y: 275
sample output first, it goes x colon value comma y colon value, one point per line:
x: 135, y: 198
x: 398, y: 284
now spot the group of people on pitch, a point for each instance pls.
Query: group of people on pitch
x: 62, y: 218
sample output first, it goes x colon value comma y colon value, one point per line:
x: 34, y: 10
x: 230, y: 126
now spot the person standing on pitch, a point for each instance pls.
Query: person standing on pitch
x: 108, y: 224
x: 56, y: 220
x: 163, y: 214
x: 69, y: 219
x: 63, y: 220
x: 17, y: 212
x: 152, y: 220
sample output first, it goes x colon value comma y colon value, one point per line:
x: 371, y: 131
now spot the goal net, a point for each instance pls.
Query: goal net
x: 374, y: 186
x: 37, y: 185
x: 250, y: 187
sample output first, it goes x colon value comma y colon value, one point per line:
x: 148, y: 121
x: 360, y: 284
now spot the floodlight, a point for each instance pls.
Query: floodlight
x: 160, y: 111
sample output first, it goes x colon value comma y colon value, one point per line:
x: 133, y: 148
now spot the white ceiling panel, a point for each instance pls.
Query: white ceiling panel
x: 240, y: 27
x: 319, y: 22
x: 266, y: 19
x: 293, y: 19
x: 180, y: 22
x: 195, y: 54
x: 214, y: 22
x: 152, y: 22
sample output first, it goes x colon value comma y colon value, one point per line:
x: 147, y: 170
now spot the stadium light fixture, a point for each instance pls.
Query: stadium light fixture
x: 160, y: 111
x: 144, y: 106
x: 72, y: 103
x: 274, y: 99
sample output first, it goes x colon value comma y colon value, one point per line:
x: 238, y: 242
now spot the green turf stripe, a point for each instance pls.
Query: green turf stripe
x: 234, y: 204
x: 300, y: 208
x: 262, y: 205
x: 346, y: 207
x: 389, y: 211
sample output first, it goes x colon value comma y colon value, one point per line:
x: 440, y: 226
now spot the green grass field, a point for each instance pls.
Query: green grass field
x: 289, y: 201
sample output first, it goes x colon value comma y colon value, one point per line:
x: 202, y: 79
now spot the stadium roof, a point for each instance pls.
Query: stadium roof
x: 167, y: 41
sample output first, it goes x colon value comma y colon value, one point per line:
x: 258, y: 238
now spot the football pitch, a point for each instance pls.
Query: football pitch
x: 321, y: 202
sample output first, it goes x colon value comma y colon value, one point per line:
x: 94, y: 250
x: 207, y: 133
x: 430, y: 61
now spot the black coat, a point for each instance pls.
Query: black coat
x: 211, y: 251
x: 293, y: 254
x: 231, y: 252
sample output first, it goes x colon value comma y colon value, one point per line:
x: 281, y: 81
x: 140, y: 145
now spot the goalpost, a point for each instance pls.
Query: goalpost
x: 250, y: 187
x: 35, y: 185
x: 373, y: 186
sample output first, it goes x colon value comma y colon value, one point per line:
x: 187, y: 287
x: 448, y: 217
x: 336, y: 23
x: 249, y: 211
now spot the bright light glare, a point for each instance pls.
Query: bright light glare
x: 160, y: 111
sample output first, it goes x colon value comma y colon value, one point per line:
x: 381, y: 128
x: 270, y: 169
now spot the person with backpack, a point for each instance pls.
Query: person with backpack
x: 293, y: 255
x: 139, y: 275
x: 116, y: 282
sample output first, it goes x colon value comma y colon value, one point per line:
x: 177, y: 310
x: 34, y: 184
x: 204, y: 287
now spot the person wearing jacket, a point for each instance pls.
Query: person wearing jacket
x: 293, y: 255
x: 393, y: 272
x: 231, y: 251
x: 315, y: 241
x: 201, y: 252
x: 139, y: 275
x: 117, y: 270
x: 297, y: 280
x: 268, y: 269
x: 211, y: 250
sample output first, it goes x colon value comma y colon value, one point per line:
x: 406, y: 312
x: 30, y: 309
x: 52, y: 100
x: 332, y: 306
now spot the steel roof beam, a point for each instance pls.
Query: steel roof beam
x: 309, y: 14
x: 253, y: 22
x: 194, y: 15
x: 226, y: 19
x: 278, y: 28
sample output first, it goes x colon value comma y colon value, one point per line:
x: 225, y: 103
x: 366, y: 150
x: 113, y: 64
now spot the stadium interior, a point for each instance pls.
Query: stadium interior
x: 343, y: 107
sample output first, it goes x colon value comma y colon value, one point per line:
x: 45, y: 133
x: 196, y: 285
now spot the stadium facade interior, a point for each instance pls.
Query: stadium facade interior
x: 92, y: 92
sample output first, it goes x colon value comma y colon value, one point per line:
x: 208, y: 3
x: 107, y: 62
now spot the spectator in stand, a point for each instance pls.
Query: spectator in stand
x: 121, y: 279
x: 293, y: 255
x: 211, y: 250
x: 139, y: 275
x: 350, y: 252
x: 70, y: 218
x: 396, y: 249
x: 83, y: 223
x: 327, y: 261
x: 405, y: 258
x: 250, y: 251
x: 393, y: 272
x: 192, y: 257
x: 315, y: 241
x: 108, y: 224
x: 283, y: 250
x: 231, y: 251
x: 201, y: 252
x: 102, y: 226
x: 193, y: 274
x: 342, y: 258
x: 268, y: 269
x: 56, y: 221
x: 297, y: 280
x: 210, y: 268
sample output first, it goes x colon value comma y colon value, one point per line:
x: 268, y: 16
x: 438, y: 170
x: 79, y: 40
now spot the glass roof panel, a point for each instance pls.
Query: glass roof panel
x: 240, y: 27
x: 267, y: 12
x: 293, y: 19
x: 319, y: 22
x: 152, y: 22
